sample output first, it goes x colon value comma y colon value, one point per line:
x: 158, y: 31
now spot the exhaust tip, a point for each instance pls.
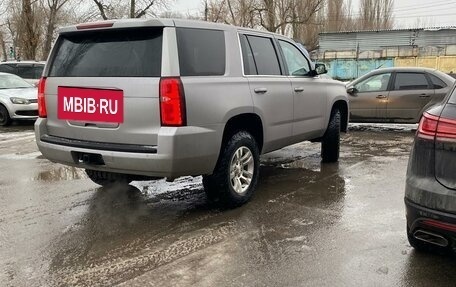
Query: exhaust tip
x: 431, y: 238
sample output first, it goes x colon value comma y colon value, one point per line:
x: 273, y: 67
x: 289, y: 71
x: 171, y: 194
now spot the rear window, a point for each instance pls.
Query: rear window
x: 411, y: 81
x: 7, y: 68
x: 109, y: 53
x: 25, y: 70
x: 201, y: 52
x: 30, y: 72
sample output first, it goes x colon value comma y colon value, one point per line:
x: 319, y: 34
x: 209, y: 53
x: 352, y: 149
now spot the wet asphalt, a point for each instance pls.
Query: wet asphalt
x: 309, y: 224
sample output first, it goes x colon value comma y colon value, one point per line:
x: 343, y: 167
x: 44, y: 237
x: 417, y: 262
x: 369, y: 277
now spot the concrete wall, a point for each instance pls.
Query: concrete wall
x: 349, y: 55
x: 446, y: 64
x: 348, y: 69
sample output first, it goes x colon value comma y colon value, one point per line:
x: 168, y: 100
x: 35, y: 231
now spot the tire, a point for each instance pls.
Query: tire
x: 234, y: 181
x: 5, y: 119
x: 330, y: 143
x: 105, y: 178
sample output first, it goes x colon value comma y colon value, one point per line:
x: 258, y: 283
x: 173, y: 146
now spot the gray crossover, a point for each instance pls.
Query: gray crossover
x: 139, y: 99
x: 396, y: 95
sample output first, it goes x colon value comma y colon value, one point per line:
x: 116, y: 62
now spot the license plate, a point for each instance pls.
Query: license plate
x: 87, y: 104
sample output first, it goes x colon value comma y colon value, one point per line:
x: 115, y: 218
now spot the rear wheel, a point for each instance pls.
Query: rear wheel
x: 330, y: 143
x: 5, y: 119
x: 236, y: 175
x: 105, y: 178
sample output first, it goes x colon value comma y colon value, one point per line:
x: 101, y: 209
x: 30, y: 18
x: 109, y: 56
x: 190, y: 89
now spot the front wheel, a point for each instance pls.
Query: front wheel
x: 330, y: 143
x: 236, y: 175
x: 105, y: 178
x: 5, y: 119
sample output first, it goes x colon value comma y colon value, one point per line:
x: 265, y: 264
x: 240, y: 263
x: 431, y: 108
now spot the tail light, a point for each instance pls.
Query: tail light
x: 433, y: 127
x: 172, y: 102
x: 94, y: 25
x: 440, y: 225
x: 42, y: 113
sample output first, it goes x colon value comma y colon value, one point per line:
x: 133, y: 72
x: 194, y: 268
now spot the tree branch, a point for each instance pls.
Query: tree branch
x: 101, y: 8
x: 144, y: 11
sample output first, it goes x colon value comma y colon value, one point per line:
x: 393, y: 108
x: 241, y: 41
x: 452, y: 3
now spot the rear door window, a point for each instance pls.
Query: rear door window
x: 7, y: 68
x: 201, y: 52
x: 109, y: 53
x: 411, y: 81
x: 265, y: 56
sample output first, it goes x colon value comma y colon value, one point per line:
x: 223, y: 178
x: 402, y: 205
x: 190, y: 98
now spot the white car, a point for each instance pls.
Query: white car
x: 18, y: 99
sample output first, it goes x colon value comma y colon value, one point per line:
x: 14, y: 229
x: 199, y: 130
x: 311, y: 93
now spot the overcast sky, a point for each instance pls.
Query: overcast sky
x: 407, y: 13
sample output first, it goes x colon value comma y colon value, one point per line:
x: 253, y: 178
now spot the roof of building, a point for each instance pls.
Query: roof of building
x: 394, y: 30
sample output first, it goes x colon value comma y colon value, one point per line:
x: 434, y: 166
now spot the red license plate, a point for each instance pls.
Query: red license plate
x: 86, y: 104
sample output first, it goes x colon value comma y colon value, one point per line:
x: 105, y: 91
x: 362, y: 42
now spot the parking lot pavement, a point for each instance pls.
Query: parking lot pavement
x: 309, y: 224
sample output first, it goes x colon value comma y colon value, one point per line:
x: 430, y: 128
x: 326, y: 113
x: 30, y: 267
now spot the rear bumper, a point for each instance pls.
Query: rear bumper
x: 437, y: 222
x: 180, y: 151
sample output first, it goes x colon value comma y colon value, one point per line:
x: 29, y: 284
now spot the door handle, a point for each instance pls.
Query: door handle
x: 299, y: 89
x: 381, y: 97
x: 261, y: 90
x: 424, y: 96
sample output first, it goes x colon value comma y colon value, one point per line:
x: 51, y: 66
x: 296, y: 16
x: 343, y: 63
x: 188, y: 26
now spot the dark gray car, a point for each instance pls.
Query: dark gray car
x: 396, y: 95
x: 430, y: 192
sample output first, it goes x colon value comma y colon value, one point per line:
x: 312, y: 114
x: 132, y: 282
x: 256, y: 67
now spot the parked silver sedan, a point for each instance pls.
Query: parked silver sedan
x: 18, y: 99
x: 396, y: 95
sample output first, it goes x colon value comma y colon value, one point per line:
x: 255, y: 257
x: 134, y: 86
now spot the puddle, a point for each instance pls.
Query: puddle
x: 61, y: 173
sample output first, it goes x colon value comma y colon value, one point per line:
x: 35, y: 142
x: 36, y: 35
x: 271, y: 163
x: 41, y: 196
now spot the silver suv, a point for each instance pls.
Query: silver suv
x: 139, y: 99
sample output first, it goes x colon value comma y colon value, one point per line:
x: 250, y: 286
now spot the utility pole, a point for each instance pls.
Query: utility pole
x: 206, y: 11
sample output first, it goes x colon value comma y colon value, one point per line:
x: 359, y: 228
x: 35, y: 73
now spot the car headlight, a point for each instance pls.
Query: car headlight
x: 19, y: 101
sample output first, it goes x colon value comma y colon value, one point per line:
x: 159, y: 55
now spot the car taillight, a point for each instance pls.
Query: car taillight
x: 94, y: 25
x: 446, y: 130
x: 42, y: 113
x: 172, y: 103
x: 433, y: 127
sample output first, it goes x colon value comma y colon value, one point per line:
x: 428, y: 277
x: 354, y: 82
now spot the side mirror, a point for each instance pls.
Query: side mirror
x: 320, y: 69
x: 352, y: 90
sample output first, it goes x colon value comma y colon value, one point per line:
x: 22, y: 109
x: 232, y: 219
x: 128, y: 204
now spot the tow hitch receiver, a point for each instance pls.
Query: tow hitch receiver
x: 88, y: 158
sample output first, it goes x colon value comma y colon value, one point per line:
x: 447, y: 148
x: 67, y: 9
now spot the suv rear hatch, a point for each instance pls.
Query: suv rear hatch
x: 103, y: 85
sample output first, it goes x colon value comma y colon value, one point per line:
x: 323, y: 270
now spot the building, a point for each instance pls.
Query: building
x: 352, y: 54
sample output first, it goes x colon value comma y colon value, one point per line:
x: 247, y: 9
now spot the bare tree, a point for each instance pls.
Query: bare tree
x: 236, y: 12
x: 3, y: 45
x: 52, y: 9
x: 335, y: 15
x: 29, y: 29
x: 11, y: 26
x: 275, y: 14
x: 308, y: 21
x: 110, y: 9
x: 376, y: 14
x: 242, y: 12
